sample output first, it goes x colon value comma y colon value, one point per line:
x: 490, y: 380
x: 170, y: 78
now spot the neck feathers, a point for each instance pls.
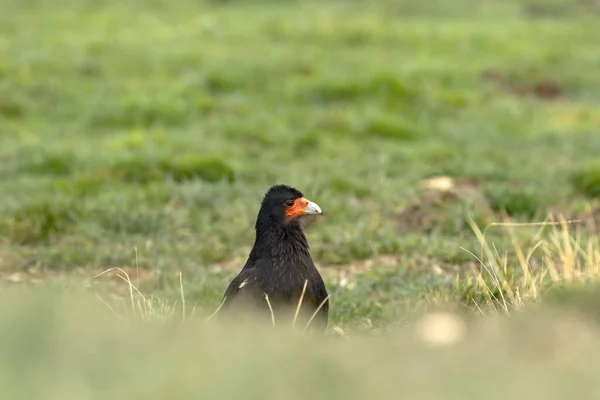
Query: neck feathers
x: 285, y: 243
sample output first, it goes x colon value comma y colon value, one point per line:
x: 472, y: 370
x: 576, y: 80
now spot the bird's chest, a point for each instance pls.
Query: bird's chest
x: 286, y: 277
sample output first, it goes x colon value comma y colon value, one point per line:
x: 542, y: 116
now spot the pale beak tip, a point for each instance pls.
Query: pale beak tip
x: 313, y: 209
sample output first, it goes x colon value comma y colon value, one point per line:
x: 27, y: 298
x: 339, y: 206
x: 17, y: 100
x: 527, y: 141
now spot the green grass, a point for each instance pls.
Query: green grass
x: 158, y: 127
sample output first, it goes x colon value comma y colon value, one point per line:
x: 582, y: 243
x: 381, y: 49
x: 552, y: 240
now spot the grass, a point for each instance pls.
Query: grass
x: 437, y: 138
x: 164, y: 132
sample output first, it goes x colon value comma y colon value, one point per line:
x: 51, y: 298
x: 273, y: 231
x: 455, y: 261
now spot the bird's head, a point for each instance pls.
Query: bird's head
x: 285, y: 204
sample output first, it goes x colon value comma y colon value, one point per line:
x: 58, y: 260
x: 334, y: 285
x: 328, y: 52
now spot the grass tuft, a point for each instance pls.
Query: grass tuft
x: 392, y: 128
x: 42, y: 163
x: 587, y: 181
x: 41, y: 222
x: 504, y: 281
x: 516, y: 203
x: 184, y: 168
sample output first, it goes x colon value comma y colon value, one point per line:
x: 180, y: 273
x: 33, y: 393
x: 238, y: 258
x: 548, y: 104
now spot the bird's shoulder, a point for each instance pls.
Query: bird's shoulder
x: 245, y: 279
x: 248, y: 283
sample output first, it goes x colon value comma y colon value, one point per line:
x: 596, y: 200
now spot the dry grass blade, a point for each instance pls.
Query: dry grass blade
x: 218, y: 308
x: 481, y: 281
x: 479, y: 308
x: 105, y: 303
x: 137, y: 267
x: 316, y: 312
x: 182, y: 295
x: 300, y: 302
x: 271, y: 309
x: 128, y: 280
x: 142, y: 306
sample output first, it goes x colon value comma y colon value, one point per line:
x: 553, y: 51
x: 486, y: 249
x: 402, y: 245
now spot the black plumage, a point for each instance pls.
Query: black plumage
x: 278, y: 266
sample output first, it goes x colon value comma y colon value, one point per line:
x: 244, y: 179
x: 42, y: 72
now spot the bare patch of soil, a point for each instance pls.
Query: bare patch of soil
x: 440, y: 193
x: 591, y: 219
x: 546, y: 89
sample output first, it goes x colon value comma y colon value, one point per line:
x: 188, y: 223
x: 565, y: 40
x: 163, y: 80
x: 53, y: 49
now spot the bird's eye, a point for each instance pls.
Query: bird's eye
x: 289, y: 203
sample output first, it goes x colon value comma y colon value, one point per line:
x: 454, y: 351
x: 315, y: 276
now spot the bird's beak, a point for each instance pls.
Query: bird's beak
x: 313, y: 208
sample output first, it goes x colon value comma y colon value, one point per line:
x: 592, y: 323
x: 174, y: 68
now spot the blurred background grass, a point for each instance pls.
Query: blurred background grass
x: 143, y: 134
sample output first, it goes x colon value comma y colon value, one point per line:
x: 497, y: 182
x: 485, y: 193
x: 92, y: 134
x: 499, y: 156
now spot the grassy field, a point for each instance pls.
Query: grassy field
x: 142, y: 135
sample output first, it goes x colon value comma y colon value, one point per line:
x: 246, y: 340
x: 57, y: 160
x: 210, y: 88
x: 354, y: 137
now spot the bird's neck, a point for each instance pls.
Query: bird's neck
x: 282, y: 244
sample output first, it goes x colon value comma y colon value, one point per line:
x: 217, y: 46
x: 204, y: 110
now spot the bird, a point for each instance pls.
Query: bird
x: 279, y: 273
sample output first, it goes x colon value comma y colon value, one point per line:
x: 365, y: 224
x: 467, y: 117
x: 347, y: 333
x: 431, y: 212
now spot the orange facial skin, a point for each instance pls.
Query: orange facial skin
x: 297, y: 210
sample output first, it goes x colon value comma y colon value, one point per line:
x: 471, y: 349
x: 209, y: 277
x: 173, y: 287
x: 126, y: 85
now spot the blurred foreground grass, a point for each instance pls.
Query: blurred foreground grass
x: 142, y: 135
x: 56, y: 345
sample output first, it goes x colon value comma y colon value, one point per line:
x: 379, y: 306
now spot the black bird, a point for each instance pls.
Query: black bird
x: 279, y: 264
